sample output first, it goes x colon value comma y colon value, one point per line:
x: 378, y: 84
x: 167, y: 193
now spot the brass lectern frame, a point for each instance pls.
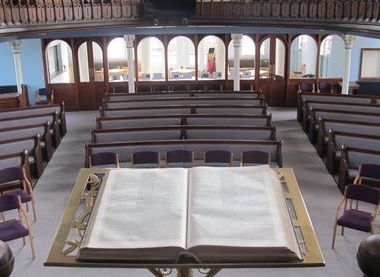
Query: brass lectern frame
x: 85, y: 190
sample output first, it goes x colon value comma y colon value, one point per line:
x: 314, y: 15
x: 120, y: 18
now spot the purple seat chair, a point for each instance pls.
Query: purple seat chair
x: 180, y: 157
x: 368, y: 174
x: 14, y: 228
x: 104, y: 159
x: 254, y: 158
x: 306, y: 87
x: 218, y: 157
x: 14, y: 181
x: 145, y: 158
x: 353, y: 217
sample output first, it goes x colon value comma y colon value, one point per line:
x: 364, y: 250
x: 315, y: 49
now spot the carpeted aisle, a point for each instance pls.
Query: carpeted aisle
x: 319, y: 190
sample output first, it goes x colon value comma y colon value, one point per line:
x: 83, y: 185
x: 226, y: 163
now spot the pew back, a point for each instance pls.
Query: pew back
x: 125, y: 150
x: 171, y: 110
x: 168, y: 95
x: 182, y: 102
x: 175, y: 120
x: 183, y: 132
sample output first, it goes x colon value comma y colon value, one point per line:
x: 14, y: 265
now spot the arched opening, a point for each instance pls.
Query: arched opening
x: 59, y: 62
x: 247, y: 58
x: 151, y: 59
x: 117, y: 60
x: 211, y: 58
x: 331, y: 57
x: 303, y: 53
x: 181, y: 59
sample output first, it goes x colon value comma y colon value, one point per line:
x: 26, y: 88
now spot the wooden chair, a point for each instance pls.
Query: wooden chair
x: 45, y: 96
x: 180, y: 156
x: 145, y: 158
x: 306, y: 87
x: 218, y: 157
x: 14, y: 229
x: 254, y: 158
x: 14, y: 181
x: 104, y: 158
x: 325, y: 87
x: 354, y: 218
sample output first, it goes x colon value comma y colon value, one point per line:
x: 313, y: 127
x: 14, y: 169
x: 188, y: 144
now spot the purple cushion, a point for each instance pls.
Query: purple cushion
x: 11, y: 174
x: 12, y: 229
x: 25, y: 197
x: 355, y: 219
x: 42, y: 102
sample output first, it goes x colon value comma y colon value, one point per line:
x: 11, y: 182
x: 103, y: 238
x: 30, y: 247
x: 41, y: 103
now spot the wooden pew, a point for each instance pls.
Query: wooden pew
x: 114, y: 104
x: 35, y: 119
x: 198, y: 109
x: 194, y: 119
x: 194, y: 94
x: 28, y: 130
x: 125, y: 149
x: 365, y: 108
x: 350, y: 160
x: 337, y: 139
x: 31, y: 144
x: 324, y: 125
x: 183, y: 132
x: 43, y: 109
x: 338, y: 115
x: 327, y: 97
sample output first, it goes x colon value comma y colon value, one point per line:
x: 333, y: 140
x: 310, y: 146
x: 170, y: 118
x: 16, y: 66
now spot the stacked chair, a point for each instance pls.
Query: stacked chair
x: 185, y: 129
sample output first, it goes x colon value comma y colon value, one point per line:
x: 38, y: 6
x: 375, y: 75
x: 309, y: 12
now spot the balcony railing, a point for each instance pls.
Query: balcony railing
x: 25, y: 12
x: 331, y: 10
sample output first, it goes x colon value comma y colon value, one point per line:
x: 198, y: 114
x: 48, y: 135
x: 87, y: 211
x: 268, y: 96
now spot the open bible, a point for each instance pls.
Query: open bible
x: 210, y: 214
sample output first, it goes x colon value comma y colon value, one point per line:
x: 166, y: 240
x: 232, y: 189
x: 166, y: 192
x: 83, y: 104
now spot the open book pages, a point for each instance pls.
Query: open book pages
x: 217, y: 214
x: 240, y: 209
x: 138, y: 209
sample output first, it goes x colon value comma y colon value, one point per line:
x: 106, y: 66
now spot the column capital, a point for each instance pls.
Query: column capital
x: 15, y: 46
x: 236, y: 38
x: 348, y: 41
x: 129, y: 40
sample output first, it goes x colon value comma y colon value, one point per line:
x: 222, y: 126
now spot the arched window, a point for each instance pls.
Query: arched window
x: 265, y: 59
x: 151, y: 59
x: 96, y: 59
x: 279, y: 69
x: 331, y: 57
x: 117, y: 60
x: 211, y: 58
x: 181, y: 59
x: 59, y: 62
x: 247, y: 58
x: 303, y: 53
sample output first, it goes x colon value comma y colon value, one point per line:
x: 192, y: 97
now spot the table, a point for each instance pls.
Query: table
x: 79, y: 208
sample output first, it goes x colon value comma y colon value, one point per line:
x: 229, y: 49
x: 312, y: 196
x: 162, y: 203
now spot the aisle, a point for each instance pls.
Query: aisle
x: 319, y: 190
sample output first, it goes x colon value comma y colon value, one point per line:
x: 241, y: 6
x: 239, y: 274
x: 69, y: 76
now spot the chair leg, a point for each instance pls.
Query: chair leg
x: 342, y: 231
x: 2, y: 217
x: 32, y: 246
x: 34, y: 211
x: 334, y: 235
x: 23, y: 241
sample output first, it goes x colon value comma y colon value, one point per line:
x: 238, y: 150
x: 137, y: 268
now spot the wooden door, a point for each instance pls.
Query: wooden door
x: 271, y: 71
x: 91, y: 86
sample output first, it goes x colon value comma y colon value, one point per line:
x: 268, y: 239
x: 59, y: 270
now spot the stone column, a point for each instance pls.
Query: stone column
x: 16, y: 50
x: 129, y: 40
x: 348, y: 42
x: 236, y: 41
